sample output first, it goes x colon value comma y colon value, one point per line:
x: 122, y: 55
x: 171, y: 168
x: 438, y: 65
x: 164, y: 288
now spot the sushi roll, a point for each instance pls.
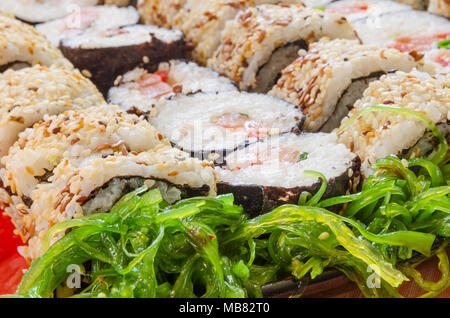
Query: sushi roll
x: 202, y: 22
x: 75, y: 134
x: 104, y: 55
x: 97, y: 183
x: 272, y: 173
x: 361, y: 9
x: 410, y: 31
x: 262, y: 41
x: 30, y: 93
x: 326, y: 80
x: 440, y: 7
x: 159, y: 12
x: 138, y: 90
x: 38, y: 11
x: 208, y: 126
x: 22, y: 45
x: 89, y: 18
x: 379, y: 134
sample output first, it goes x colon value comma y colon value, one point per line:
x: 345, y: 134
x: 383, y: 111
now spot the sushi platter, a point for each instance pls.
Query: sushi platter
x: 223, y: 148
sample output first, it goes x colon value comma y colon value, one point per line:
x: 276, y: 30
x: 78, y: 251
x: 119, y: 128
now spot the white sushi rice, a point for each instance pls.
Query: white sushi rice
x: 380, y: 134
x: 249, y: 40
x: 124, y: 36
x: 35, y: 11
x: 437, y: 61
x: 319, y: 77
x: 100, y: 18
x: 187, y: 77
x: 191, y: 122
x: 361, y: 9
x: 265, y: 164
x: 29, y: 94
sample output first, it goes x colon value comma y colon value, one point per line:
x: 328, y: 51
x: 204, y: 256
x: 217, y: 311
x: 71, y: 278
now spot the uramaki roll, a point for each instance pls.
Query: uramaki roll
x: 379, y: 134
x: 21, y: 43
x: 27, y: 95
x: 262, y: 41
x: 326, y: 80
x: 97, y: 183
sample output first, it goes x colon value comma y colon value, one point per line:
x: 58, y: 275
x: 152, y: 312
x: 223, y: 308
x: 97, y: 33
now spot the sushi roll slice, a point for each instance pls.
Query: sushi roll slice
x: 440, y: 7
x: 361, y: 9
x: 38, y: 11
x: 96, y: 184
x: 159, y: 12
x: 326, y: 80
x: 379, y: 134
x: 30, y: 93
x: 208, y: 126
x: 262, y: 41
x: 410, y: 31
x: 75, y: 134
x: 138, y: 90
x: 89, y: 18
x: 202, y: 22
x: 21, y: 44
x: 272, y: 173
x: 104, y: 55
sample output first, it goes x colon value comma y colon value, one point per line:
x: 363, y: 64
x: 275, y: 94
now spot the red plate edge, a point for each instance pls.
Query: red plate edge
x: 12, y: 264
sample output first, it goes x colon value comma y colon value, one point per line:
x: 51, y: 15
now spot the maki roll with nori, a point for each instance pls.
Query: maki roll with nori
x: 378, y: 134
x: 87, y: 19
x: 263, y: 40
x: 27, y: 95
x: 209, y: 126
x: 38, y: 11
x: 22, y: 45
x: 138, y: 90
x: 104, y: 55
x: 326, y: 80
x: 272, y: 173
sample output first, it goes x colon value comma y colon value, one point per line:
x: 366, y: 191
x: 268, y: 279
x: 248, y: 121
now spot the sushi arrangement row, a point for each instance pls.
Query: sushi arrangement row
x: 209, y: 98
